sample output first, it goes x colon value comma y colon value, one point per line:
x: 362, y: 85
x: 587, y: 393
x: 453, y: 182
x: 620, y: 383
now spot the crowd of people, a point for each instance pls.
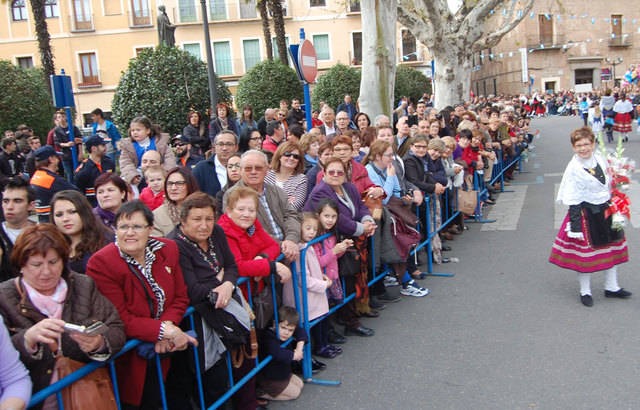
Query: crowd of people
x: 182, y: 218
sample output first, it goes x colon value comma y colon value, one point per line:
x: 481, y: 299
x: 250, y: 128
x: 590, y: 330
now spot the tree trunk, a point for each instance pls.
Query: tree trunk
x: 452, y: 75
x: 44, y: 41
x: 266, y: 29
x: 278, y: 26
x: 378, y: 56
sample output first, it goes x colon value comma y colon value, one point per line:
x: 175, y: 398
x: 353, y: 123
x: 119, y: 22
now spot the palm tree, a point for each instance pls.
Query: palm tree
x: 44, y: 40
x: 275, y: 6
x: 266, y: 29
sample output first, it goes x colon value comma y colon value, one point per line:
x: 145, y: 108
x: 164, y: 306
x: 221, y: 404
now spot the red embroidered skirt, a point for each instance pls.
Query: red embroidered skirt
x: 622, y: 122
x: 580, y: 256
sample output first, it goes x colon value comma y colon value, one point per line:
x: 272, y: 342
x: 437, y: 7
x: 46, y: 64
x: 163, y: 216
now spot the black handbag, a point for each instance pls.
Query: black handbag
x: 349, y: 263
x: 263, y: 306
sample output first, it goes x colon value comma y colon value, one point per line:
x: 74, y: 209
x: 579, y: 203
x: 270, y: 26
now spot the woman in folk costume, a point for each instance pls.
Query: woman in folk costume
x: 586, y: 241
x: 622, y: 120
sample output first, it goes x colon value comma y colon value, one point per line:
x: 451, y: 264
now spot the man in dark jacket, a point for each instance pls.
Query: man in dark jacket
x: 18, y: 200
x: 212, y: 173
x: 64, y: 144
x: 46, y: 182
x: 91, y: 168
x: 11, y: 162
x: 296, y: 114
x: 184, y: 157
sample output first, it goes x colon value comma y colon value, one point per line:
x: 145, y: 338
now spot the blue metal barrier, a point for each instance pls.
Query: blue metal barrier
x: 430, y: 234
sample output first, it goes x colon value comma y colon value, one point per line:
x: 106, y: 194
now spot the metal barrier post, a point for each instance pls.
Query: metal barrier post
x: 197, y: 360
x: 477, y: 217
x: 429, y: 235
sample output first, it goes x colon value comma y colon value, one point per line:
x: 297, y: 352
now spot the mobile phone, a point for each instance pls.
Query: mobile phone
x: 96, y: 328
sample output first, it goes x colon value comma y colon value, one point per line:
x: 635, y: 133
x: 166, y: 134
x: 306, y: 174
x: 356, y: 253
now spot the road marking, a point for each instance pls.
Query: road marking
x: 539, y: 180
x: 559, y: 209
x: 507, y: 210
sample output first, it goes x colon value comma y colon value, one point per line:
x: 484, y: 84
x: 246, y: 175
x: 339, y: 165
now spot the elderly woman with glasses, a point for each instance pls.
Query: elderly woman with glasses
x: 286, y: 172
x: 141, y: 276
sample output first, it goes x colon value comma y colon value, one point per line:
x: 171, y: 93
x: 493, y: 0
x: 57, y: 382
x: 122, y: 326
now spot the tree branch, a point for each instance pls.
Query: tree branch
x: 416, y: 20
x: 509, y: 24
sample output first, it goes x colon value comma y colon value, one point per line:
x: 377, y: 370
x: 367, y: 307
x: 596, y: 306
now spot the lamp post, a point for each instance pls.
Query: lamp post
x: 211, y: 74
x: 614, y: 63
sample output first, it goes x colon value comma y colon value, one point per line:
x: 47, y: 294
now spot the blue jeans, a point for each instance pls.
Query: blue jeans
x: 67, y: 165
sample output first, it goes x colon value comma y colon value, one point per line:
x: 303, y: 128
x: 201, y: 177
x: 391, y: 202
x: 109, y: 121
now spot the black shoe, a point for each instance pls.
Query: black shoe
x: 388, y: 298
x: 445, y: 248
x: 359, y: 331
x: 336, y: 338
x: 317, y: 365
x: 370, y: 313
x: 376, y: 305
x: 586, y: 300
x: 622, y: 294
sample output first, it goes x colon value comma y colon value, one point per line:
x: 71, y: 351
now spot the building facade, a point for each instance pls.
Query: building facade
x: 562, y: 46
x: 93, y: 40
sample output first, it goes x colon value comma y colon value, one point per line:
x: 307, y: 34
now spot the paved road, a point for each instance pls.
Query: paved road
x: 508, y: 331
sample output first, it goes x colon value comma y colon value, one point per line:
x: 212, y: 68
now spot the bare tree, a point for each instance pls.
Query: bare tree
x: 378, y: 56
x: 266, y: 28
x: 452, y: 36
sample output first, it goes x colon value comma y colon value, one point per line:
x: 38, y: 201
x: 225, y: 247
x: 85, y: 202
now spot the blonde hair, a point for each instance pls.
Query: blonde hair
x: 152, y: 170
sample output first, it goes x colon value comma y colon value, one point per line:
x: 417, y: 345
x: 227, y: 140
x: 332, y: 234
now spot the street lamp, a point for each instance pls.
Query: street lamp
x: 614, y: 63
x: 211, y: 74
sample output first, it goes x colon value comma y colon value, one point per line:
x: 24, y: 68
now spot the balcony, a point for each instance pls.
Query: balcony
x: 621, y: 41
x: 81, y: 24
x: 535, y: 43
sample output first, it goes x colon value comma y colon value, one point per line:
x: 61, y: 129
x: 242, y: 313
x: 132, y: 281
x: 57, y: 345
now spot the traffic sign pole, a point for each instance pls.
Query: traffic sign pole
x: 305, y: 61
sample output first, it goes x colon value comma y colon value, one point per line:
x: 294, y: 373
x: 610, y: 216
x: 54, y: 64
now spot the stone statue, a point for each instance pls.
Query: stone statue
x: 166, y: 30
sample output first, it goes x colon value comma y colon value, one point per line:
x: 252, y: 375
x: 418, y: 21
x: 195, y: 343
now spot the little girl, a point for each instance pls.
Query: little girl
x: 596, y: 121
x: 317, y: 284
x: 153, y: 194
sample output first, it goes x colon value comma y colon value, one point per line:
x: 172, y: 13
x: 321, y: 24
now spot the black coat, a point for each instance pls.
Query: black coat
x: 414, y: 173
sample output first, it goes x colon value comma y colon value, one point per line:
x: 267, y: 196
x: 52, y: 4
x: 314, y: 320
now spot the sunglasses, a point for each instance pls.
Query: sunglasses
x: 335, y: 172
x: 179, y: 144
x: 291, y: 155
x: 257, y: 168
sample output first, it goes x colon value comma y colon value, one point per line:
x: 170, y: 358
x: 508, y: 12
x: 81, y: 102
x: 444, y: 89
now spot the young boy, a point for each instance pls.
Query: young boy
x: 153, y: 194
x: 276, y: 381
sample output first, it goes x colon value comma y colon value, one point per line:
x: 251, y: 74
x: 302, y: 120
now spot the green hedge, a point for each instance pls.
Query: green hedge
x: 24, y: 99
x: 411, y: 83
x: 266, y: 84
x: 164, y: 84
x: 332, y: 86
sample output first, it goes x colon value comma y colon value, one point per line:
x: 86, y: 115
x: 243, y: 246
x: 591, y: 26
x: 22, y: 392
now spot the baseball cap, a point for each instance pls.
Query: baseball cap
x: 45, y: 152
x: 94, y: 141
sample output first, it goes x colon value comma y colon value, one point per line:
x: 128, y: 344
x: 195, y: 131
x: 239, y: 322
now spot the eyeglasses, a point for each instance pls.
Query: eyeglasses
x: 335, y: 172
x: 291, y: 155
x: 420, y: 146
x: 387, y: 155
x: 180, y: 144
x: 134, y: 228
x: 256, y: 168
x: 281, y: 114
x: 225, y: 144
x: 176, y: 183
x: 255, y: 139
x: 233, y: 166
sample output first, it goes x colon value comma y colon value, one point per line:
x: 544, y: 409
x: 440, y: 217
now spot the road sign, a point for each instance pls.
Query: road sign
x: 62, y: 91
x: 308, y: 61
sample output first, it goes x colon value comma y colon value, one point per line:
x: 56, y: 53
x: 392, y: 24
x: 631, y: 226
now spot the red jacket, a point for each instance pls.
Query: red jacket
x: 245, y: 248
x: 124, y: 290
x: 269, y: 145
x: 471, y: 157
x: 359, y: 177
x: 150, y: 199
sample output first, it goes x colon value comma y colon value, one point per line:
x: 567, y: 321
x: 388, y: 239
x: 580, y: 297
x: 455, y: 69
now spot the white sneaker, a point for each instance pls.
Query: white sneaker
x: 412, y: 289
x: 390, y: 281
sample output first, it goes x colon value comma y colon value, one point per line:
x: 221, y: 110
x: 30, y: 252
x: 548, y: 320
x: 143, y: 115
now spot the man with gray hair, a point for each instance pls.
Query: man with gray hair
x: 382, y: 120
x: 211, y: 174
x: 276, y: 215
x: 269, y: 115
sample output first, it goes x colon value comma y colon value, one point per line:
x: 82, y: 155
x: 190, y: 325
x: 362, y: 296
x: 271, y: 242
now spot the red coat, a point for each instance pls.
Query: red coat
x: 471, y: 157
x: 359, y: 177
x: 150, y: 199
x: 245, y: 248
x: 124, y: 290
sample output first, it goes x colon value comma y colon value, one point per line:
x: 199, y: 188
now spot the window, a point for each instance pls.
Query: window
x: 24, y: 62
x: 356, y: 43
x: 193, y: 49
x: 248, y: 9
x: 354, y: 6
x: 222, y: 57
x: 409, y: 46
x: 140, y: 13
x: 51, y: 9
x: 19, y: 10
x: 89, y: 67
x: 317, y: 3
x: 187, y: 10
x: 274, y: 47
x: 217, y: 10
x: 82, y: 14
x: 251, y: 50
x: 616, y: 25
x: 545, y: 26
x: 321, y: 44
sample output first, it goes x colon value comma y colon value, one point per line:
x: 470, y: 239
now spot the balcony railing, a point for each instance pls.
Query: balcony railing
x: 621, y: 41
x: 535, y: 43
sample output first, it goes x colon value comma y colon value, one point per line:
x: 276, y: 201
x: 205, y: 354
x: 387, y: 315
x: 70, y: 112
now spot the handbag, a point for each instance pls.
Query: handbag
x: 402, y: 211
x: 467, y: 201
x: 94, y: 391
x: 349, y: 263
x: 374, y: 205
x: 263, y: 306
